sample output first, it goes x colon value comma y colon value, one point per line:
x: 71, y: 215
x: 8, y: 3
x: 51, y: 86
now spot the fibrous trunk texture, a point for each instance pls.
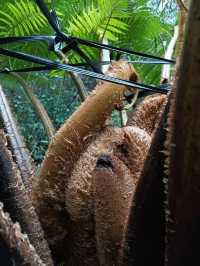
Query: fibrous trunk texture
x: 144, y: 240
x: 17, y: 201
x: 91, y: 240
x: 113, y: 187
x: 184, y: 152
x: 183, y: 5
x: 147, y: 114
x: 16, y: 143
x: 114, y: 182
x: 17, y: 243
x: 65, y: 149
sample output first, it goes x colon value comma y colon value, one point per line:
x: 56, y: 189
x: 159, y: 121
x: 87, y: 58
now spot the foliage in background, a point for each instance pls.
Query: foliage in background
x: 133, y: 24
x: 125, y: 23
x: 59, y: 99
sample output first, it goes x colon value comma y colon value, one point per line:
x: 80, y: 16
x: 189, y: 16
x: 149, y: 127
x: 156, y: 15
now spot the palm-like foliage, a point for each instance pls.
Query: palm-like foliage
x: 99, y: 20
x: 21, y: 18
x: 149, y: 33
x: 126, y: 23
x: 102, y: 18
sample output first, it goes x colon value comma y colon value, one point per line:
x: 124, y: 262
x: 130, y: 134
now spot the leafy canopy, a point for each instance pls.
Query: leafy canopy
x: 125, y: 23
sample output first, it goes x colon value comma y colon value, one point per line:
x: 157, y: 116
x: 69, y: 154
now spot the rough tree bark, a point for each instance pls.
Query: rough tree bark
x: 17, y: 243
x: 16, y: 143
x: 145, y: 237
x: 17, y: 201
x: 183, y: 5
x: 183, y: 144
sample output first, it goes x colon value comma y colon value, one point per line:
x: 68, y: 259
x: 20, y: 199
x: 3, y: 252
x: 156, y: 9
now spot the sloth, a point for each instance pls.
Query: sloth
x: 88, y: 177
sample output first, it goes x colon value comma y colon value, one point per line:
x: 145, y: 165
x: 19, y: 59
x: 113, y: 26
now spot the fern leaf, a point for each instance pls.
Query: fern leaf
x: 21, y: 18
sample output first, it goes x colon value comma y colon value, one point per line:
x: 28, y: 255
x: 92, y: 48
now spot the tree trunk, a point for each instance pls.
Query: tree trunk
x: 17, y: 243
x: 145, y: 237
x: 18, y: 203
x: 183, y: 5
x: 16, y: 143
x: 183, y: 228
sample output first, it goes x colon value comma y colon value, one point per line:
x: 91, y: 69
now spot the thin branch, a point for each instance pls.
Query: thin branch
x: 165, y: 75
x: 182, y: 5
x: 82, y: 91
x: 123, y: 117
x: 21, y: 155
x: 37, y: 105
x: 123, y: 113
x: 133, y: 101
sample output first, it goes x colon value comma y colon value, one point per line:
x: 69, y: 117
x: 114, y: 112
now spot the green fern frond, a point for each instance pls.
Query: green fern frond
x: 21, y: 18
x: 118, y: 8
x: 87, y: 22
x: 125, y: 23
x: 98, y: 17
x: 101, y: 18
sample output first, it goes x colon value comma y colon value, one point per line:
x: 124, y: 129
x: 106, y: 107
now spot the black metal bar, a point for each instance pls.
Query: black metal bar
x: 72, y: 44
x: 56, y: 65
x: 44, y: 9
x: 131, y: 62
x: 7, y: 40
x: 122, y: 50
x: 25, y: 70
x: 87, y: 60
x: 54, y: 25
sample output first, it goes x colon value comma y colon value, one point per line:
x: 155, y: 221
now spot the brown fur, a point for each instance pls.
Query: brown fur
x: 147, y: 114
x: 84, y: 207
x: 86, y: 193
x: 64, y: 151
